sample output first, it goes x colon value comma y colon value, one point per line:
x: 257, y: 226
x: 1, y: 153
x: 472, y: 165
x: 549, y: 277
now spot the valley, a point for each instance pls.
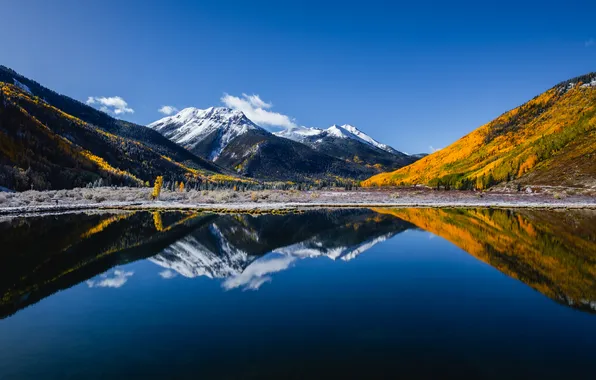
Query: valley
x: 69, y: 154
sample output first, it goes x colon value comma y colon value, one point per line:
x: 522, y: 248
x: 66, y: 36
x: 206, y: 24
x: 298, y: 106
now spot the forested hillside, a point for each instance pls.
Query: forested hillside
x: 50, y: 141
x: 550, y: 140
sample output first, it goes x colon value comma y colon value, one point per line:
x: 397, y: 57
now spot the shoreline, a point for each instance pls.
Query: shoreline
x: 43, y: 202
x: 281, y: 206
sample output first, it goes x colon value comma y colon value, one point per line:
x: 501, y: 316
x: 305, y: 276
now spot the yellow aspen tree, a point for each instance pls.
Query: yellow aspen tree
x: 157, y: 188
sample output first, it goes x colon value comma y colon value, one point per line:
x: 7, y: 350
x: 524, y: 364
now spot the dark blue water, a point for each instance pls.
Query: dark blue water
x: 327, y: 294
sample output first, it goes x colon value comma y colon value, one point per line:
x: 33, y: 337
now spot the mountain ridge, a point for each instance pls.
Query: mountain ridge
x: 229, y: 139
x: 344, y: 131
x: 348, y: 143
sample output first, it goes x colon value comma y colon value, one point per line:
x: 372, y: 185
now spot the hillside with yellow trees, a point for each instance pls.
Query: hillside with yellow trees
x: 550, y: 140
x: 50, y: 141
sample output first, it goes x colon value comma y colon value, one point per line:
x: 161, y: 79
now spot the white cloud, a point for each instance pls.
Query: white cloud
x: 256, y: 101
x: 590, y: 42
x: 168, y: 110
x: 167, y: 274
x: 112, y: 104
x: 118, y: 279
x: 257, y: 110
x: 433, y: 149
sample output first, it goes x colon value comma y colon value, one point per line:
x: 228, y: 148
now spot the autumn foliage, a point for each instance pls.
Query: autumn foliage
x: 551, y: 251
x: 157, y: 188
x: 536, y: 141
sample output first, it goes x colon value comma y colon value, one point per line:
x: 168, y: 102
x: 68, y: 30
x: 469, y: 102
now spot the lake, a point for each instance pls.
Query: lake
x: 348, y: 293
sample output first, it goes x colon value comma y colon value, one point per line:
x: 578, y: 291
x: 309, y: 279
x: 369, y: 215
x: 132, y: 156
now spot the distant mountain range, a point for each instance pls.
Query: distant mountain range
x: 230, y: 139
x: 50, y: 141
x: 550, y: 140
x: 348, y: 143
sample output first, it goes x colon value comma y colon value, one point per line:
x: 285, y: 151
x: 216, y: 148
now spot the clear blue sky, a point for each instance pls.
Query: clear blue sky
x: 414, y: 74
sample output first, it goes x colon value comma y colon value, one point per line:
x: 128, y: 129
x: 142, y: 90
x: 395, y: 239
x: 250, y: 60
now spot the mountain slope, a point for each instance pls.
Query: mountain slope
x: 348, y: 143
x: 550, y: 140
x: 260, y: 154
x: 50, y: 141
x: 206, y: 132
x: 231, y: 140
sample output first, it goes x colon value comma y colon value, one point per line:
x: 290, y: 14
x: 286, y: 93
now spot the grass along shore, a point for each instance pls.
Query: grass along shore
x: 228, y: 200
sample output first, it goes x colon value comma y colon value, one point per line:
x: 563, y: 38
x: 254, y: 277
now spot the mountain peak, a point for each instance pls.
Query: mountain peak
x: 192, y: 125
x: 349, y: 131
x: 345, y: 131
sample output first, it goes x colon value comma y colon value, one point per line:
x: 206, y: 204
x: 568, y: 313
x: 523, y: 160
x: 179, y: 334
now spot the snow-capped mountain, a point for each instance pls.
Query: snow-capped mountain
x: 228, y: 138
x: 348, y: 143
x: 346, y: 131
x: 192, y: 126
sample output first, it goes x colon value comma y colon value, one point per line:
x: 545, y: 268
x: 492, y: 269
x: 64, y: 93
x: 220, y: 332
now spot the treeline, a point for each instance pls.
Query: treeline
x: 202, y: 185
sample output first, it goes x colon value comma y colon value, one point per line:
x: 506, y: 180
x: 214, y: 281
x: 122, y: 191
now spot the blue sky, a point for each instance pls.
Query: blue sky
x: 411, y: 74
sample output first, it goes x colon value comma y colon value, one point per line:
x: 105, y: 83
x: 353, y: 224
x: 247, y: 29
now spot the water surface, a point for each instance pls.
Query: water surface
x: 379, y: 293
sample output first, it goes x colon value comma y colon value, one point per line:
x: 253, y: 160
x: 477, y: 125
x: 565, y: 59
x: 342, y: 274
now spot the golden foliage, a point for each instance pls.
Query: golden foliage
x: 104, y: 224
x: 541, y: 248
x: 157, y: 187
x: 547, y: 129
x: 103, y: 165
x: 157, y: 221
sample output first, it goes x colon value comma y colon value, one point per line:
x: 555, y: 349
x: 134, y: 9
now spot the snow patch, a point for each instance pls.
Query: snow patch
x: 590, y: 84
x: 22, y: 86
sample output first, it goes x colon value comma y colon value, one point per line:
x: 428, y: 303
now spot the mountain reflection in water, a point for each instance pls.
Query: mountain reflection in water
x: 553, y: 252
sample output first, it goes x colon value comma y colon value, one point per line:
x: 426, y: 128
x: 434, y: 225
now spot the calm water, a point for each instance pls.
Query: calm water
x: 386, y: 293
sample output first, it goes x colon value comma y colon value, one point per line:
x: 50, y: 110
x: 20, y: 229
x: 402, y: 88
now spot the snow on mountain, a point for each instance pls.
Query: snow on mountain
x: 192, y: 125
x: 590, y: 84
x: 22, y: 86
x: 190, y: 258
x: 346, y: 131
x: 315, y: 248
x: 215, y: 127
x: 299, y: 134
x: 363, y: 136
